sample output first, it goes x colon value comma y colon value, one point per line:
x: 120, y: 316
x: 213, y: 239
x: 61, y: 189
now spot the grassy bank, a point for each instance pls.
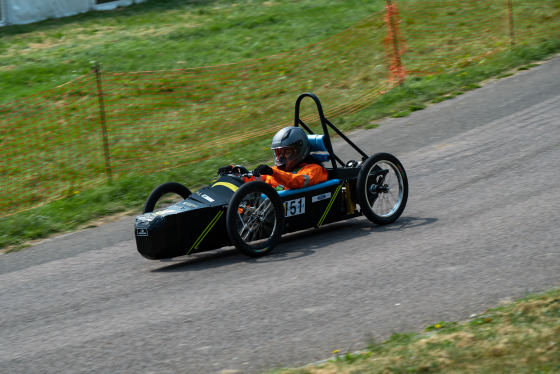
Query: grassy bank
x: 522, y: 337
x: 128, y: 194
x: 165, y: 35
x: 170, y: 34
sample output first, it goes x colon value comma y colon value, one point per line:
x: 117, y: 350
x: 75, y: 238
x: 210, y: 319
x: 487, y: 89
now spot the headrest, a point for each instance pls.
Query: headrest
x: 316, y: 143
x: 318, y: 150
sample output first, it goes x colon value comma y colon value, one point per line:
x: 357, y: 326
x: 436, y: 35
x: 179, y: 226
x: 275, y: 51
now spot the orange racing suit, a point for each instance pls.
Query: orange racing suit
x: 305, y: 175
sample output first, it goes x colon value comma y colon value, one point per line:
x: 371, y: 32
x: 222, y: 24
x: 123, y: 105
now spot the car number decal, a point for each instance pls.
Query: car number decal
x: 294, y: 207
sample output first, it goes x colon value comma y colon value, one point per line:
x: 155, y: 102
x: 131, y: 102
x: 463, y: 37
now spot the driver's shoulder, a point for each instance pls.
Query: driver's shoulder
x: 311, y: 166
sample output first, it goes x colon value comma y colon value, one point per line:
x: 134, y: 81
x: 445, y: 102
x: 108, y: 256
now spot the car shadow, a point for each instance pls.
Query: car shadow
x: 294, y: 245
x: 403, y: 223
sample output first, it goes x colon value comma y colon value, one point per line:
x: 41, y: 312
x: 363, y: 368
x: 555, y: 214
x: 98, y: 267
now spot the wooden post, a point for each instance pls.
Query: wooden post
x: 511, y: 26
x: 103, y: 123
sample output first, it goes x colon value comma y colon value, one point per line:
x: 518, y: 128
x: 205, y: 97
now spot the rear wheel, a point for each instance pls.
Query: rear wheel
x: 165, y: 189
x: 255, y: 219
x: 382, y: 188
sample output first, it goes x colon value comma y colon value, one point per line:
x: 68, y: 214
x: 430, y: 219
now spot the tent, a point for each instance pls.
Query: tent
x: 27, y: 11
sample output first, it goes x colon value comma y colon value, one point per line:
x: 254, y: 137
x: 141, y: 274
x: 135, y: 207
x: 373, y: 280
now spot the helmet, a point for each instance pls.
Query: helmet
x: 290, y: 147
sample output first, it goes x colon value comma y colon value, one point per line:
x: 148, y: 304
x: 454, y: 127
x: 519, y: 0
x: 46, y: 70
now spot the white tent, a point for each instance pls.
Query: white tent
x: 27, y: 11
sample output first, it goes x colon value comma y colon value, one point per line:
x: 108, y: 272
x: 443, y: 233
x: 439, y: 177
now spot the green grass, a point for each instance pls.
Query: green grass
x: 126, y: 195
x: 166, y: 35
x: 171, y: 118
x: 521, y: 337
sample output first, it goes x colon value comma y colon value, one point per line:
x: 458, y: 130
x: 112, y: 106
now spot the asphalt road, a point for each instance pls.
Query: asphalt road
x: 482, y: 226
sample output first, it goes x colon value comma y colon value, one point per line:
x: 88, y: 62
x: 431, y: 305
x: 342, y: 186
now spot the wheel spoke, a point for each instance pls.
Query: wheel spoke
x: 255, y: 219
x: 259, y: 219
x: 385, y: 201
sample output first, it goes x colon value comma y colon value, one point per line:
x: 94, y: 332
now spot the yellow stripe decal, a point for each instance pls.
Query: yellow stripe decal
x: 206, y: 231
x: 333, y: 198
x: 231, y: 186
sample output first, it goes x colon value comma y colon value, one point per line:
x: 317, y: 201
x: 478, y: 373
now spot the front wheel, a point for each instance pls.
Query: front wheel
x: 382, y: 188
x: 255, y: 219
x: 164, y: 189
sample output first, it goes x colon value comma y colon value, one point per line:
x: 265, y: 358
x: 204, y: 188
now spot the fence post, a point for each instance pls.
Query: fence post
x: 103, y: 123
x: 511, y: 27
x: 396, y: 65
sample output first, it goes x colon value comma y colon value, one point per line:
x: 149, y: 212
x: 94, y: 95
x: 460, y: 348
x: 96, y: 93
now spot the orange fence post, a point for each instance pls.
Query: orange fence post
x: 397, y: 69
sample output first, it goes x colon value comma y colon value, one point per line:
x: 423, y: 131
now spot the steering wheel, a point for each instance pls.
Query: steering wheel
x: 239, y: 170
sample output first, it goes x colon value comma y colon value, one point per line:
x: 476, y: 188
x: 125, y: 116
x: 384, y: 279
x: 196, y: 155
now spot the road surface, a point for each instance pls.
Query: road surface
x: 481, y: 226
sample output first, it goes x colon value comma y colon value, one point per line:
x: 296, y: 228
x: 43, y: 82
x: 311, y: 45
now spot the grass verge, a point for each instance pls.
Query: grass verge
x: 38, y: 56
x: 128, y: 194
x: 165, y: 35
x: 522, y: 337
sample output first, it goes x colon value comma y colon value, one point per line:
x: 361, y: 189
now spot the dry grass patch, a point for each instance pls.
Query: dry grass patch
x: 523, y: 337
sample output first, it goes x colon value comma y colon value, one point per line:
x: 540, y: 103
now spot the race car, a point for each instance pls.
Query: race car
x: 253, y: 216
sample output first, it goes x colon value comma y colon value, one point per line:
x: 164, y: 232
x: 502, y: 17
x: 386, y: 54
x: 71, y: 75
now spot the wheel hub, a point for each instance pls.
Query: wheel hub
x: 383, y: 189
x: 376, y: 189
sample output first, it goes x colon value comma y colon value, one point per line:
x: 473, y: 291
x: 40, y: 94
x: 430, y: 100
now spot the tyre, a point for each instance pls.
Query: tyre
x: 255, y: 219
x: 382, y: 188
x: 163, y: 189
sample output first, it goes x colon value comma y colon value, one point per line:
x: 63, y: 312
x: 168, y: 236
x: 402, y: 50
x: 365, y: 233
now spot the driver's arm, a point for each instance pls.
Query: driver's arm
x: 308, y: 175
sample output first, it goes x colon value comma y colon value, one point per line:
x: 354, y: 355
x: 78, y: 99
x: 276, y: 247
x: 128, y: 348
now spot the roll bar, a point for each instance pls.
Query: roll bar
x: 325, y: 124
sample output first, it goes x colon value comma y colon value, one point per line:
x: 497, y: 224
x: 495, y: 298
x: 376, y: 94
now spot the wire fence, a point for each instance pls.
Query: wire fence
x: 105, y: 125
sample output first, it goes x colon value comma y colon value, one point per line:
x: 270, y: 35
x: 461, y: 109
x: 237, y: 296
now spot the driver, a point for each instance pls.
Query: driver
x: 295, y: 168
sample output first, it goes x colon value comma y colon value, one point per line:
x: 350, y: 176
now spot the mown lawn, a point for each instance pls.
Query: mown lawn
x: 441, y: 54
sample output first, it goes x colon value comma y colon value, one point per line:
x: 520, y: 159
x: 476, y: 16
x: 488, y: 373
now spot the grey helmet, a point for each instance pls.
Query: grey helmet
x: 290, y: 147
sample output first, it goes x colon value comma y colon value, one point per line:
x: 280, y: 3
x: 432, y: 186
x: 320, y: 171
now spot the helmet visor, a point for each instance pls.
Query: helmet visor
x: 283, y: 155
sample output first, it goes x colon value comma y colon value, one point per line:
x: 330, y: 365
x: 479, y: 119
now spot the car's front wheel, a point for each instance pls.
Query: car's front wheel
x: 255, y: 219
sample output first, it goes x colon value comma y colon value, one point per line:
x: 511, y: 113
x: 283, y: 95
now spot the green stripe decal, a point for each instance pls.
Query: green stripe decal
x: 333, y: 198
x: 206, y: 231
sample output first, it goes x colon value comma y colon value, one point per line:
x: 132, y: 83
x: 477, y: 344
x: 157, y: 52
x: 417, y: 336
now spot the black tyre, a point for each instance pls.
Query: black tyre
x: 164, y: 189
x: 255, y: 219
x: 382, y: 188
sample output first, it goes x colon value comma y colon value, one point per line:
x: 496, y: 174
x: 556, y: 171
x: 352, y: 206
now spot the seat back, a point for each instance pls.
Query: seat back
x: 318, y: 150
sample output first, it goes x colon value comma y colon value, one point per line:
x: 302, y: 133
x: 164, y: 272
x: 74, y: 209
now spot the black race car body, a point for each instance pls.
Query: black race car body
x: 253, y: 216
x: 195, y: 224
x: 198, y: 223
